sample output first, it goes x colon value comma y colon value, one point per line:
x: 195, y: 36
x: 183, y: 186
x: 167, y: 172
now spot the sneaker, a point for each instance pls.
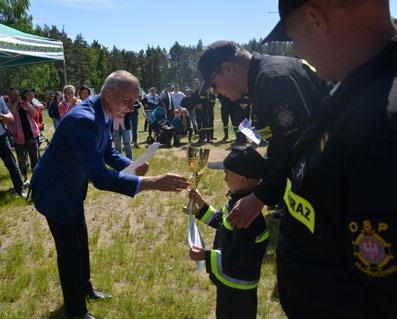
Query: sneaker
x: 26, y: 183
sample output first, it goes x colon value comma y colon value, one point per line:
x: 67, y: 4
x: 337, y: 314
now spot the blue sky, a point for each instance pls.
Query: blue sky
x: 133, y: 25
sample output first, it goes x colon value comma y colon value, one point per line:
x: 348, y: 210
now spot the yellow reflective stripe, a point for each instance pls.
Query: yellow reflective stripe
x: 299, y: 208
x: 266, y: 132
x: 224, y: 219
x: 261, y: 238
x: 309, y: 65
x: 209, y: 215
x: 226, y: 223
x: 216, y: 269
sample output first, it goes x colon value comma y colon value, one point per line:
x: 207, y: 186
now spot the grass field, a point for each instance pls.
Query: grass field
x: 138, y: 250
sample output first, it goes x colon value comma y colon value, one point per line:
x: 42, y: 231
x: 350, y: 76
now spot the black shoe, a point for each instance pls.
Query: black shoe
x: 95, y: 294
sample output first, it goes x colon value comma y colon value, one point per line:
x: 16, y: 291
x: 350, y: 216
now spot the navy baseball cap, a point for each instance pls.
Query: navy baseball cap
x: 285, y: 7
x: 213, y: 57
x: 244, y: 161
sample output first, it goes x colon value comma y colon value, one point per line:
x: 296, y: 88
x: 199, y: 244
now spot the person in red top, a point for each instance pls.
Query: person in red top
x: 25, y: 131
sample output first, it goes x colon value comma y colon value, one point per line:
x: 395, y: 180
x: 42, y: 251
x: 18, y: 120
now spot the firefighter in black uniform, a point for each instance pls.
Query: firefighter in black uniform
x: 234, y: 263
x: 226, y: 112
x: 283, y: 92
x: 336, y: 255
x: 201, y: 104
x: 211, y: 105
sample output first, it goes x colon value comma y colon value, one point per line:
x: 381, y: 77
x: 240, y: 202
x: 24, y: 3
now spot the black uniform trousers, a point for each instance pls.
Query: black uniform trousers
x: 202, y: 124
x: 226, y: 112
x: 238, y: 116
x: 10, y: 163
x: 210, y: 122
x: 71, y: 242
x: 236, y: 303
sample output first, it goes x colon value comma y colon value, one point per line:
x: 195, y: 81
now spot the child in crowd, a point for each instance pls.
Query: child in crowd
x: 234, y: 263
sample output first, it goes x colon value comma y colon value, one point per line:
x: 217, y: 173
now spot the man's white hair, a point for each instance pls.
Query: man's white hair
x: 119, y: 81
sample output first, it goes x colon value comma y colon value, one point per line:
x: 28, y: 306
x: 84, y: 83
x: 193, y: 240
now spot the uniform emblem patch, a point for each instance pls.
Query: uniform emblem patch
x: 373, y: 253
x: 285, y: 117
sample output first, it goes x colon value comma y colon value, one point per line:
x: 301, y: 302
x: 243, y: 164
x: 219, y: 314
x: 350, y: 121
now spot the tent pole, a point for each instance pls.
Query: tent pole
x: 65, y: 80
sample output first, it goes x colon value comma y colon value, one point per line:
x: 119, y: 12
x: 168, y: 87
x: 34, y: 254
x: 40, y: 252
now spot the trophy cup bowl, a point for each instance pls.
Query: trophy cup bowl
x: 197, y: 159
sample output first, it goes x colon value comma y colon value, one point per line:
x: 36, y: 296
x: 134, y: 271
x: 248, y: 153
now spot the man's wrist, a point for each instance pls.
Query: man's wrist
x: 148, y: 183
x: 138, y: 185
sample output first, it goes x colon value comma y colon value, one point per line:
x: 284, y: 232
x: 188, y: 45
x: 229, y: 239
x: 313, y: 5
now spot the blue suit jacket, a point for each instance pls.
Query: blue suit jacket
x: 79, y: 151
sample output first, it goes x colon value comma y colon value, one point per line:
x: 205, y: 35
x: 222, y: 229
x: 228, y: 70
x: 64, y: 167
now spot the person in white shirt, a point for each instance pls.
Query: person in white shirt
x: 177, y: 96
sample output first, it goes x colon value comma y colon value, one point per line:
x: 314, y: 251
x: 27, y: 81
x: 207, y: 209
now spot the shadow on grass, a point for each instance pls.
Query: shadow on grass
x: 221, y: 142
x: 8, y: 195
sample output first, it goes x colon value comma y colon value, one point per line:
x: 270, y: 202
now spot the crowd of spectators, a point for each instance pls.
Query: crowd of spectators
x: 175, y: 118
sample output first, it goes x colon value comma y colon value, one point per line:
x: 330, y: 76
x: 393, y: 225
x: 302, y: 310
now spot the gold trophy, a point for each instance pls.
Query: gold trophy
x: 197, y: 158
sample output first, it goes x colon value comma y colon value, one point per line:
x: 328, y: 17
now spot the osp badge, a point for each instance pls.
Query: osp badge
x: 285, y: 117
x: 373, y: 253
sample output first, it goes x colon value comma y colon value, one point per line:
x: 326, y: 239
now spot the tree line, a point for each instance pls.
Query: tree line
x: 90, y: 63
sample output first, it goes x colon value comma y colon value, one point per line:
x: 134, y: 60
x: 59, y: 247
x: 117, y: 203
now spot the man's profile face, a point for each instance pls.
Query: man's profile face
x: 308, y: 43
x: 224, y: 82
x: 121, y: 102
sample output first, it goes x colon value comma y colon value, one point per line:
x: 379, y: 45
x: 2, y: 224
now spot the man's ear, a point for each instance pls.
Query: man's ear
x: 318, y: 21
x: 228, y: 68
x: 108, y: 94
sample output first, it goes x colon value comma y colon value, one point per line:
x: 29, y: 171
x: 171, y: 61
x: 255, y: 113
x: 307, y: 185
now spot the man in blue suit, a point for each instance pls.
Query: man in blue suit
x: 79, y: 152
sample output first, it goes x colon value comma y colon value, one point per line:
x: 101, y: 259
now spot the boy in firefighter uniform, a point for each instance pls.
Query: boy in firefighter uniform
x: 234, y: 264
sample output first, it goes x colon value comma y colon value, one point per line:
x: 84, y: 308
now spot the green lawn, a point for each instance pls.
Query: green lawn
x: 138, y: 246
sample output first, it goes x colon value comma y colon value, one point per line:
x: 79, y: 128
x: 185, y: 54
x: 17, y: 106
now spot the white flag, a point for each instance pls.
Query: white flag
x: 250, y: 132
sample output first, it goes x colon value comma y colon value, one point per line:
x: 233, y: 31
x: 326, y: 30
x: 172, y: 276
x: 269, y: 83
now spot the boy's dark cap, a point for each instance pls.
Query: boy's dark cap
x: 213, y: 56
x: 285, y: 7
x: 244, y: 161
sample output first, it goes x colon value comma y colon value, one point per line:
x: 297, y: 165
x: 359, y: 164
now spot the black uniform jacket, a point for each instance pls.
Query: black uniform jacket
x: 284, y: 92
x: 200, y: 100
x: 337, y: 252
x: 237, y: 254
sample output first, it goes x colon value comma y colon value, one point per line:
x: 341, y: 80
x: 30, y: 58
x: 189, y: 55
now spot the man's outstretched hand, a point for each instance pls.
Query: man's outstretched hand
x: 166, y: 183
x: 245, y: 211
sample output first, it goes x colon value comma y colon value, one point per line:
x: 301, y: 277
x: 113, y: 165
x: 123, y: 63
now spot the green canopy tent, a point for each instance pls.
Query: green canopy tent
x: 18, y: 48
